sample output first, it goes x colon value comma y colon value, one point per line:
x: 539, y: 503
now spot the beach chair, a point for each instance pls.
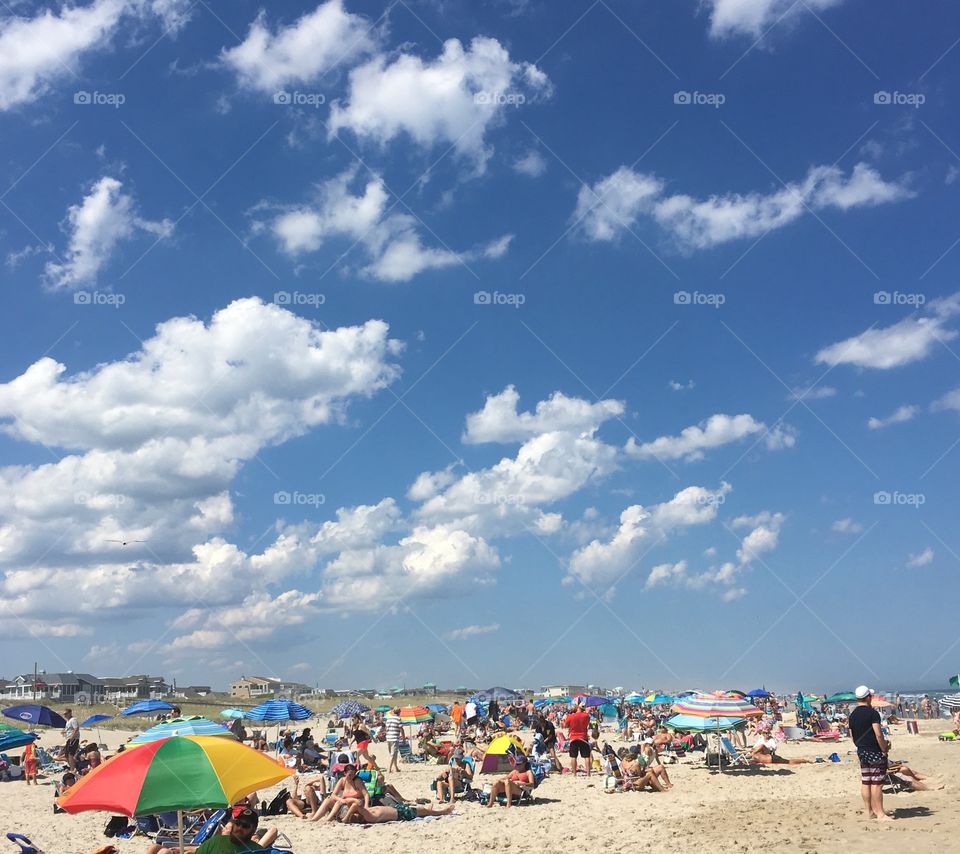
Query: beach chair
x: 47, y: 764
x: 406, y: 752
x: 197, y: 834
x: 26, y: 846
x: 794, y: 733
x: 735, y: 757
x: 824, y: 733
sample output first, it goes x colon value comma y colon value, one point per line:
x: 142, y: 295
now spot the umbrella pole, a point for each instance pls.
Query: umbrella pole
x: 180, y: 830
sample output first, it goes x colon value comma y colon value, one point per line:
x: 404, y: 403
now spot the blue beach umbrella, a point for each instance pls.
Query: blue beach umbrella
x: 692, y: 723
x: 437, y: 707
x: 147, y: 707
x: 349, y: 708
x: 14, y: 738
x: 233, y: 714
x: 194, y: 725
x: 279, y: 710
x: 758, y: 692
x: 33, y: 714
x: 93, y: 720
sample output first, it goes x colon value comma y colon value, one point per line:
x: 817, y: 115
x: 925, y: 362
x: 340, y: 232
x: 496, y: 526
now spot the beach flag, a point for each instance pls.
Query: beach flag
x: 955, y: 681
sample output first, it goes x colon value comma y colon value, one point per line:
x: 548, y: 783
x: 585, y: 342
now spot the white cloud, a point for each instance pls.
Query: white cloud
x: 949, y: 401
x: 615, y: 204
x: 603, y: 562
x: 679, y: 386
x: 36, y: 52
x: 915, y: 561
x: 499, y: 420
x: 666, y: 572
x: 468, y: 632
x: 453, y: 100
x: 899, y: 416
x: 754, y: 18
x: 532, y: 164
x: 104, y: 218
x: 813, y: 393
x: 846, y: 526
x: 716, y: 431
x: 910, y: 340
x: 392, y: 242
x: 174, y: 14
x: 764, y: 536
x: 301, y: 52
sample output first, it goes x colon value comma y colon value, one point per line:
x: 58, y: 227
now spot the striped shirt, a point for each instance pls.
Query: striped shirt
x: 392, y: 725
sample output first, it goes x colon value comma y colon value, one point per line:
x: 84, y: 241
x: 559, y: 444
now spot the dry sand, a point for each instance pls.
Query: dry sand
x: 799, y: 808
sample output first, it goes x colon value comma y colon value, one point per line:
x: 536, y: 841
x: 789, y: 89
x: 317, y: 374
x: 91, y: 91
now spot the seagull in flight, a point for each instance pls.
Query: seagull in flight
x: 124, y: 542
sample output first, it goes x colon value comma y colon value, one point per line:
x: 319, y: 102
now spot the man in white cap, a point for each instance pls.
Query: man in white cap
x: 872, y: 751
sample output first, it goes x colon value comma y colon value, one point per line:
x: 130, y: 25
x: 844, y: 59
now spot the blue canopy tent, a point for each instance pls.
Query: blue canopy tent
x: 33, y: 714
x: 147, y: 707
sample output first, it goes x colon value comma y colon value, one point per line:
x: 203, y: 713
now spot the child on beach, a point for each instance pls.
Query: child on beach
x: 30, y: 764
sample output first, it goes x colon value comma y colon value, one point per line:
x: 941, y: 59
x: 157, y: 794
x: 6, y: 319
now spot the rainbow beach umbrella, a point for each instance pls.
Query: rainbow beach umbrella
x: 175, y: 774
x: 415, y: 714
x: 708, y: 706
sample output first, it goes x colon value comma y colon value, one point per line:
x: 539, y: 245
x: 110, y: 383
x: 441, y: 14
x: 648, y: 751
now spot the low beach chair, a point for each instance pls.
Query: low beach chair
x: 47, y: 764
x: 406, y: 752
x: 197, y: 834
x: 26, y: 846
x: 737, y: 757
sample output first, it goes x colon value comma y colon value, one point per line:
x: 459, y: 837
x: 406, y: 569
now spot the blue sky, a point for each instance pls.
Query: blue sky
x: 501, y: 343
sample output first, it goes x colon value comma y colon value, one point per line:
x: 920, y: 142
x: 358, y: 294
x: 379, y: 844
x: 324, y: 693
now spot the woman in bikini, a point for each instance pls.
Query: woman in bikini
x: 513, y: 784
x: 348, y: 790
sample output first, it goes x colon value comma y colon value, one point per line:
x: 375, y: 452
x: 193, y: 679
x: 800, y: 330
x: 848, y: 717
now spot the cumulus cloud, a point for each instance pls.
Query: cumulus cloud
x: 603, y: 561
x: 532, y: 164
x: 391, y: 240
x: 753, y: 18
x: 499, y: 420
x: 898, y: 416
x: 915, y: 561
x: 717, y: 430
x: 673, y: 385
x: 453, y: 100
x: 910, y: 340
x: 301, y: 52
x: 615, y: 204
x: 468, y: 632
x: 105, y: 217
x: 949, y: 401
x: 846, y: 526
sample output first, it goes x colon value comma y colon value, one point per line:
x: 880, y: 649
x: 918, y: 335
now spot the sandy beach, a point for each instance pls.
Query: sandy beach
x: 806, y: 807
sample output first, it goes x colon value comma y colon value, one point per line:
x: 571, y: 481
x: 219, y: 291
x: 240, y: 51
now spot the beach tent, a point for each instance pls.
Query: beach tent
x: 31, y: 713
x: 502, y: 754
x: 147, y: 707
x: 501, y: 695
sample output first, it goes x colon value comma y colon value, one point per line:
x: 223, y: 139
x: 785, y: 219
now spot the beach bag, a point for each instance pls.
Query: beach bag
x: 278, y: 806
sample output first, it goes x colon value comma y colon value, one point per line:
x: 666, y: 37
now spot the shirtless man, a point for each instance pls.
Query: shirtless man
x: 401, y: 812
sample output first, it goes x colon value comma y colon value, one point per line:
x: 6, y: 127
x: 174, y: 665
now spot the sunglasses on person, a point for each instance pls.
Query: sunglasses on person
x: 243, y: 825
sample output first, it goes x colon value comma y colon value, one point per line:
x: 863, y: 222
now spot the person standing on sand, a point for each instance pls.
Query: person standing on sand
x: 71, y: 736
x: 394, y: 730
x: 578, y: 724
x: 872, y: 750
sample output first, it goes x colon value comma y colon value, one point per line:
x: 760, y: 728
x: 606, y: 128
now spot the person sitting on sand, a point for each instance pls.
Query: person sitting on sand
x: 401, y: 812
x: 455, y: 779
x: 765, y: 753
x: 513, y: 784
x: 913, y: 779
x: 651, y: 762
x: 635, y: 776
x: 349, y: 789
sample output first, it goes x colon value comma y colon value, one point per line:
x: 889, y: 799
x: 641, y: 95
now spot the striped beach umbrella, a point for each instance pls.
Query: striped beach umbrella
x: 194, y: 725
x: 707, y: 706
x: 415, y: 714
x: 692, y: 723
x: 951, y: 701
x: 279, y: 710
x: 175, y: 774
